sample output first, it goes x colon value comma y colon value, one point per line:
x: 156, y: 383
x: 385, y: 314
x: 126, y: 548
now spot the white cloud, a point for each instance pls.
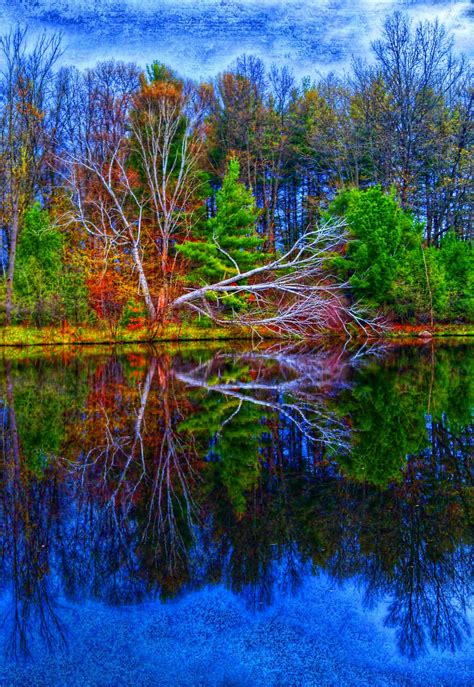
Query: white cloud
x: 200, y: 37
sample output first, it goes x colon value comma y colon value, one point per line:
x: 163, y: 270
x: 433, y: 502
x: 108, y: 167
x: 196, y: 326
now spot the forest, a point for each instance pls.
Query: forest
x: 139, y: 203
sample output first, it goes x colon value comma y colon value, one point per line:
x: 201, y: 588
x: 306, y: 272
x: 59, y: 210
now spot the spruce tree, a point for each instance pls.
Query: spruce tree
x: 229, y: 239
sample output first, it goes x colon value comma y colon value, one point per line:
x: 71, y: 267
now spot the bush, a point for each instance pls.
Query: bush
x: 381, y: 236
x: 388, y: 268
x: 46, y: 290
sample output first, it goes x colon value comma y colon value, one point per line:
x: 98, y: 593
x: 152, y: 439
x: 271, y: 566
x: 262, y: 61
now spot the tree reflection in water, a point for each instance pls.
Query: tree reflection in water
x: 133, y: 474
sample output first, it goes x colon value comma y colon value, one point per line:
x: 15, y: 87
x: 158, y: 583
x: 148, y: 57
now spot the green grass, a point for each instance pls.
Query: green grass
x: 21, y: 336
x: 437, y: 331
x: 86, y: 335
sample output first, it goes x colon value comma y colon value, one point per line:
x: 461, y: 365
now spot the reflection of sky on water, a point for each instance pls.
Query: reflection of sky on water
x: 322, y: 635
x: 201, y: 37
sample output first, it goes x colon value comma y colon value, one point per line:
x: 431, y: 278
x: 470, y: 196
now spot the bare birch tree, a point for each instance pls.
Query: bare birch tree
x: 140, y: 197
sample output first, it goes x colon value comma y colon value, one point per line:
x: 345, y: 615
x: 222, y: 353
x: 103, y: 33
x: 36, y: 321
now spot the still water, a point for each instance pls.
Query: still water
x: 218, y: 514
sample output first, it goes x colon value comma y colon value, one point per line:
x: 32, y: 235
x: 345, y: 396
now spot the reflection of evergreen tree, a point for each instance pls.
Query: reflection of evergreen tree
x: 451, y: 385
x: 232, y: 435
x: 384, y: 410
x: 48, y: 395
x: 388, y: 407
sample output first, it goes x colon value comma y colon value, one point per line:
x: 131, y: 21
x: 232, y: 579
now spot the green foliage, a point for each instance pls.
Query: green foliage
x: 38, y: 269
x: 382, y: 235
x: 47, y: 290
x: 387, y: 425
x: 157, y: 72
x: 75, y: 295
x: 231, y: 434
x: 457, y: 258
x: 228, y: 239
x: 391, y: 271
x: 420, y: 286
x: 237, y: 448
x: 441, y: 279
x: 45, y: 396
x: 388, y: 410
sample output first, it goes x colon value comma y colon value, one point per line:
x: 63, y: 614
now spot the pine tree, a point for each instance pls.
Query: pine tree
x: 229, y: 240
x: 38, y: 274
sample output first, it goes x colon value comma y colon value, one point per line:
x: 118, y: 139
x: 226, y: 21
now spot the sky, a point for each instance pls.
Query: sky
x: 199, y: 38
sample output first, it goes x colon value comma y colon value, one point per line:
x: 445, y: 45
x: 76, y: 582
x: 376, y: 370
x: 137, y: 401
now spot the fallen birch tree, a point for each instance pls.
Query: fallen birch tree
x: 293, y: 293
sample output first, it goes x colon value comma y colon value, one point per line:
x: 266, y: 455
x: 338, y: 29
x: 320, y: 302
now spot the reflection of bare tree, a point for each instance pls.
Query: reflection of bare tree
x: 433, y: 579
x: 144, y: 471
x: 408, y: 544
x: 282, y: 381
x: 118, y: 446
x: 429, y: 602
x: 171, y: 492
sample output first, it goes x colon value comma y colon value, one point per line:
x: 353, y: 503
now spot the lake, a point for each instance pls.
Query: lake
x: 226, y: 514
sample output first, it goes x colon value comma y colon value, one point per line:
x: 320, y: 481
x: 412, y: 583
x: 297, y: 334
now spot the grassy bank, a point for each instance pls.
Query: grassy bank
x: 57, y: 336
x: 53, y: 336
x: 437, y: 331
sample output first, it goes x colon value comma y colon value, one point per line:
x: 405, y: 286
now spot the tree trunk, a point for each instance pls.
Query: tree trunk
x: 11, y: 265
x: 144, y: 284
x: 428, y: 284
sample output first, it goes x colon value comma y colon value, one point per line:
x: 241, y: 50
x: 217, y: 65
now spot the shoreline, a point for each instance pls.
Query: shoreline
x: 23, y: 337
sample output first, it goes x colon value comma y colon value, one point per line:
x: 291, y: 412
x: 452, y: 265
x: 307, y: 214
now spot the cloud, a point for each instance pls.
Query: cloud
x: 200, y: 37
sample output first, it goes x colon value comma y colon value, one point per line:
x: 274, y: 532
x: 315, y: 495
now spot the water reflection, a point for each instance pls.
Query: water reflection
x: 129, y: 475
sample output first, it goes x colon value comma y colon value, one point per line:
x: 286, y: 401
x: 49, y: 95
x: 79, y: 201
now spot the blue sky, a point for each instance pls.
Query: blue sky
x: 201, y: 37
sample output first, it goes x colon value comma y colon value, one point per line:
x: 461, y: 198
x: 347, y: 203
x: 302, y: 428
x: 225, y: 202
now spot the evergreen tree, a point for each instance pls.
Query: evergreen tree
x: 457, y: 259
x: 47, y: 287
x: 229, y: 239
x: 37, y: 281
x: 382, y: 235
x: 420, y: 291
x: 390, y: 269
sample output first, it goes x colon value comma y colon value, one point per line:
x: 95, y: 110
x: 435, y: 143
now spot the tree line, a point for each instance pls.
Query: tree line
x: 136, y: 198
